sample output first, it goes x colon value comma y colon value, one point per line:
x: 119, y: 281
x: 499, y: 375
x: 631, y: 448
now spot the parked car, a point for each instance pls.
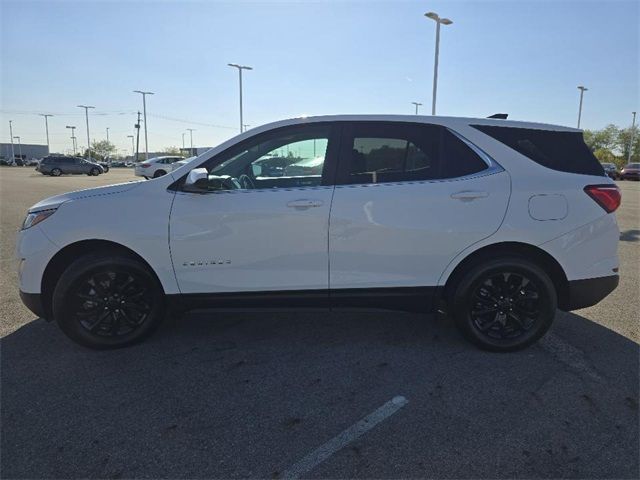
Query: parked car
x: 179, y: 163
x: 104, y: 165
x: 630, y: 172
x: 490, y: 219
x: 58, y: 165
x: 611, y: 170
x: 155, y: 167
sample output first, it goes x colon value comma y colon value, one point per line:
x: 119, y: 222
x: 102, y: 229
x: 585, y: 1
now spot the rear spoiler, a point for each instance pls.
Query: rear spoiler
x: 499, y: 116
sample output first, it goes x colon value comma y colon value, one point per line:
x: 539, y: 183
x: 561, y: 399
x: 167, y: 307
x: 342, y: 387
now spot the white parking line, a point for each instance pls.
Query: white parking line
x: 569, y: 355
x: 341, y: 440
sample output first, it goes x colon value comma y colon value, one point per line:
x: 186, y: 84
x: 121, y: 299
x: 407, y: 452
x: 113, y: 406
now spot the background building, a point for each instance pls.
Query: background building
x: 29, y: 151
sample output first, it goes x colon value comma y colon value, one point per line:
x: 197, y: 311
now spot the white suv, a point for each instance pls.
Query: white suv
x: 501, y: 222
x: 155, y: 167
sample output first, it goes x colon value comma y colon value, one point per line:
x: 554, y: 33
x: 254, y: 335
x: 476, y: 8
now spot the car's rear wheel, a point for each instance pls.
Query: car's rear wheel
x: 504, y: 304
x: 159, y: 173
x: 108, y: 300
x: 56, y: 172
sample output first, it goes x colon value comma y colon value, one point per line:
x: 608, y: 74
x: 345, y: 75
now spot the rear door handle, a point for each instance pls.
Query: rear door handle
x: 305, y: 203
x: 469, y: 195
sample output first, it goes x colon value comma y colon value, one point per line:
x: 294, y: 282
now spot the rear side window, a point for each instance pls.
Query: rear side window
x: 381, y: 152
x: 562, y: 151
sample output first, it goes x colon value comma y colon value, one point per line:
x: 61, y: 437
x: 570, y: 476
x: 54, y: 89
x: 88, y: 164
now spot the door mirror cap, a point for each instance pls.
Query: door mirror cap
x: 197, y: 180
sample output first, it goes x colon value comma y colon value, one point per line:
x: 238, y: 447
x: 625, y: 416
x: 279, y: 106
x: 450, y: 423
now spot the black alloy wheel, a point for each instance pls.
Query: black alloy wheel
x: 108, y: 301
x: 504, y: 304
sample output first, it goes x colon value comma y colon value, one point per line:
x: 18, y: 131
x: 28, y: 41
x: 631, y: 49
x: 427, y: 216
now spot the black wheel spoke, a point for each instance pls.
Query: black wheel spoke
x: 505, y: 305
x: 111, y: 303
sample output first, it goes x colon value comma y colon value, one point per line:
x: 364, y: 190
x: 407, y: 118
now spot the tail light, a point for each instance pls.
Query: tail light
x: 145, y: 165
x: 607, y: 196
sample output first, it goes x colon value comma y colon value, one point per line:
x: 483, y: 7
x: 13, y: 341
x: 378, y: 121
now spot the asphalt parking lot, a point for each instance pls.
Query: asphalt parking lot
x: 317, y: 395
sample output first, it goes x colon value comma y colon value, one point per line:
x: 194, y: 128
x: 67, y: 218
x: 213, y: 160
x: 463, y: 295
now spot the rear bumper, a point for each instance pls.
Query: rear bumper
x: 588, y: 292
x: 33, y: 301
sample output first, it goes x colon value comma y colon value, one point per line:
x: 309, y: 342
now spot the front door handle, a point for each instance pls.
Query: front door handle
x: 304, y: 203
x: 468, y: 195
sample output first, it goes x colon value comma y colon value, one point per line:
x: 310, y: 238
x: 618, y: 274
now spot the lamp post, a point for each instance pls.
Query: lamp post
x: 183, y: 140
x: 444, y: 21
x: 46, y: 127
x: 73, y: 137
x: 86, y: 114
x: 633, y: 131
x: 107, y: 134
x: 582, y: 90
x: 13, y: 153
x: 133, y: 146
x: 417, y: 104
x: 19, y: 148
x: 240, y: 68
x: 144, y: 112
x: 191, y: 130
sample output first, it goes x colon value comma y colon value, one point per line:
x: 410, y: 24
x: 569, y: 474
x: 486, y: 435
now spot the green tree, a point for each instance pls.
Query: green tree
x: 172, y: 151
x: 100, y: 150
x: 623, y: 141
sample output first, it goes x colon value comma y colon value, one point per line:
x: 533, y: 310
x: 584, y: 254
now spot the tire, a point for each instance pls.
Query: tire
x: 108, y: 300
x: 159, y: 173
x: 94, y: 172
x: 56, y: 172
x: 505, y: 304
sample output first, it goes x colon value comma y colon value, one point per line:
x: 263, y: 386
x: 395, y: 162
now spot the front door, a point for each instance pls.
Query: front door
x: 264, y: 226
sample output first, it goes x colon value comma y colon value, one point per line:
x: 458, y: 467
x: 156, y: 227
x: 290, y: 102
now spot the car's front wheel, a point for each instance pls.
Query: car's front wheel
x: 504, y: 304
x: 108, y: 300
x: 94, y: 172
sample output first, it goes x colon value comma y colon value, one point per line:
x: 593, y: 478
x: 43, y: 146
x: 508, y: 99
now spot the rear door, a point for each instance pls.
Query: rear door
x: 409, y: 198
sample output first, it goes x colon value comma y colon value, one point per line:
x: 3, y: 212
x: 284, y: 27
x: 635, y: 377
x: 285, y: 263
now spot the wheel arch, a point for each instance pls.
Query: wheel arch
x: 66, y: 255
x: 530, y: 252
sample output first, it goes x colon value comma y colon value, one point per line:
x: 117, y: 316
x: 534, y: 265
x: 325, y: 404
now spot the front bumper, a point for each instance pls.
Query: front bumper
x: 33, y: 301
x: 588, y: 292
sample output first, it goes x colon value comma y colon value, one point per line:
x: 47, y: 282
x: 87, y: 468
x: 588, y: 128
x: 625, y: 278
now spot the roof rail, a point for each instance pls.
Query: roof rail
x: 499, y: 116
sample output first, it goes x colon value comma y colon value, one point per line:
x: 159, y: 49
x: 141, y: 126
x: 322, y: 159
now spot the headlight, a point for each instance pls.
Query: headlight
x: 36, y: 217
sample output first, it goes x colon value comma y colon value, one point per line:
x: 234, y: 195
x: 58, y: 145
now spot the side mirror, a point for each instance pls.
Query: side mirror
x: 197, y: 180
x: 256, y: 170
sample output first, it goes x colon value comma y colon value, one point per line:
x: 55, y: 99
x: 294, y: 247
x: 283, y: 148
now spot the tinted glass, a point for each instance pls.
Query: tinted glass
x: 379, y: 152
x: 458, y: 159
x: 562, y: 151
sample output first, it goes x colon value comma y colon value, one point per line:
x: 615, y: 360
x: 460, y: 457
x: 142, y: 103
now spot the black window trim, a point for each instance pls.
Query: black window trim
x: 328, y: 178
x: 493, y: 167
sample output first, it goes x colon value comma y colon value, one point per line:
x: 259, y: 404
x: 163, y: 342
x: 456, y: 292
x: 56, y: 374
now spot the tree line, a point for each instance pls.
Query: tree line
x: 611, y: 144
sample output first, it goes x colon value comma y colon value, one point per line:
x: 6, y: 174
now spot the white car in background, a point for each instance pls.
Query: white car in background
x: 179, y: 163
x: 156, y: 167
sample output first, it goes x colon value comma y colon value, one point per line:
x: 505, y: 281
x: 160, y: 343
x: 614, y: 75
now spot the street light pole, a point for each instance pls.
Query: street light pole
x: 46, y: 127
x: 633, y: 131
x: 107, y: 134
x: 183, y: 140
x: 240, y: 68
x: 417, y: 104
x: 13, y: 153
x: 144, y: 112
x: 133, y: 146
x: 86, y: 114
x: 19, y: 148
x: 73, y: 137
x: 444, y: 21
x: 191, y: 130
x: 582, y: 90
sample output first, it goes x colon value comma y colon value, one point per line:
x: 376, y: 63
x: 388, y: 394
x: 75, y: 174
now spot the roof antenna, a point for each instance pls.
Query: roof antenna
x: 499, y: 116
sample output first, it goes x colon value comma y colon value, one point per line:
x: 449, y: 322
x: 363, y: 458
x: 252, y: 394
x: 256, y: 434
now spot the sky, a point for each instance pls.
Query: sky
x: 525, y: 58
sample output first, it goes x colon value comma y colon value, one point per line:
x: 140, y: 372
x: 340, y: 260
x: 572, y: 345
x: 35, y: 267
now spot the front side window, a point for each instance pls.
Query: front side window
x: 282, y: 159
